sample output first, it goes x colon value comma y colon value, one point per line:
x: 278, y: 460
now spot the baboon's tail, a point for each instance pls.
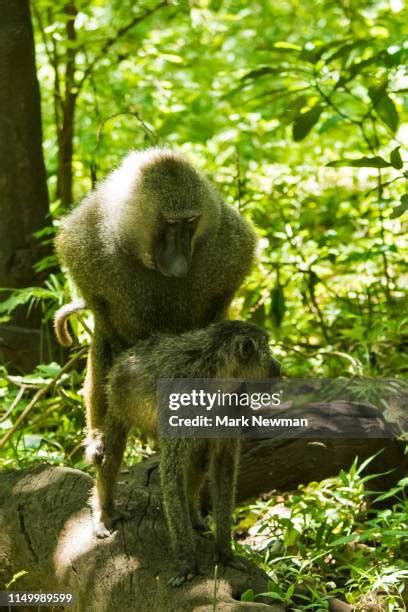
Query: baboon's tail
x: 61, y: 320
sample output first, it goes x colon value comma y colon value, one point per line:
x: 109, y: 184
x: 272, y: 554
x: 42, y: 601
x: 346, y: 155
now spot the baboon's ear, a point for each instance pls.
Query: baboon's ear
x: 246, y: 348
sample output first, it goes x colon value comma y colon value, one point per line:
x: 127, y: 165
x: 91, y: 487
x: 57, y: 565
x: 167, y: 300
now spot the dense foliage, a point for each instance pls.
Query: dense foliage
x: 301, y: 128
x: 326, y: 540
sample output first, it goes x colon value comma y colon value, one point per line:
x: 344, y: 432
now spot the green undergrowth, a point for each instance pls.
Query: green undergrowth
x: 331, y: 539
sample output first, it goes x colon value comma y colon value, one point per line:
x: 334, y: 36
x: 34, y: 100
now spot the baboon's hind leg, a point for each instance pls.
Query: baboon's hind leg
x: 96, y: 402
x: 104, y: 513
x: 223, y: 476
x: 197, y: 473
x: 173, y: 461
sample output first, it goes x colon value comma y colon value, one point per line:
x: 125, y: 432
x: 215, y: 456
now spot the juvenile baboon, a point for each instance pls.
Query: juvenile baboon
x: 152, y: 249
x: 228, y: 349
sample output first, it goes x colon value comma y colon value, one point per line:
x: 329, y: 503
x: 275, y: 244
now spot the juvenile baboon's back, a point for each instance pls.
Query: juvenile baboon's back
x: 228, y: 349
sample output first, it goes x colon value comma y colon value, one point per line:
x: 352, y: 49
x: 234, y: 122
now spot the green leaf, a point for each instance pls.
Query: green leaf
x: 278, y: 307
x: 258, y: 315
x: 259, y: 72
x: 361, y: 162
x: 291, y: 536
x: 387, y: 111
x: 274, y: 595
x: 23, y: 296
x: 401, y: 208
x: 315, y: 54
x: 330, y: 123
x: 248, y: 595
x: 305, y: 121
x: 48, y: 370
x: 15, y: 578
x: 398, y: 58
x: 289, y: 593
x: 341, y: 52
x: 292, y: 110
x: 377, y: 90
x: 396, y: 159
x: 319, y: 533
x: 283, y: 44
x: 171, y: 57
x: 388, y: 494
x: 215, y: 5
x: 383, y: 104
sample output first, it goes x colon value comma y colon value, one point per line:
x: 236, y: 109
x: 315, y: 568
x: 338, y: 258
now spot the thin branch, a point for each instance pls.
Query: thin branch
x: 382, y: 234
x: 84, y: 325
x: 15, y: 402
x: 53, y: 59
x: 113, y: 39
x: 41, y: 29
x: 238, y: 178
x: 40, y: 394
x: 282, y: 92
x: 323, y: 326
x: 309, y: 270
x: 99, y: 133
x: 70, y: 66
x: 358, y: 122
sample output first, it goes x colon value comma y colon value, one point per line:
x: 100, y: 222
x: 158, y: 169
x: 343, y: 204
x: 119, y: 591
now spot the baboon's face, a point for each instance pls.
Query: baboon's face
x: 173, y: 249
x: 250, y: 355
x: 178, y: 207
x: 255, y: 359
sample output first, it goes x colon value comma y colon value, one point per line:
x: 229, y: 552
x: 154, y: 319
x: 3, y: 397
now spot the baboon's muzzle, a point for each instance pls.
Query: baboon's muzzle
x: 173, y: 255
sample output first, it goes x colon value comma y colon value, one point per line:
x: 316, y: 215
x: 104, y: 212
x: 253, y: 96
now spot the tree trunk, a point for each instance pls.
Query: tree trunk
x: 23, y: 187
x: 65, y: 154
x: 68, y: 104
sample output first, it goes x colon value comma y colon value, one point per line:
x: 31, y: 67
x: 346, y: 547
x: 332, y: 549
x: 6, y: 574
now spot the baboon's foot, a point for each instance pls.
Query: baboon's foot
x: 185, y: 572
x: 95, y: 447
x: 105, y: 525
x: 102, y: 529
x: 227, y: 558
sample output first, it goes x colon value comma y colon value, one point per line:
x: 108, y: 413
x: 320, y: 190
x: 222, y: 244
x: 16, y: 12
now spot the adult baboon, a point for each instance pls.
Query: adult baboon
x: 228, y: 349
x: 152, y: 249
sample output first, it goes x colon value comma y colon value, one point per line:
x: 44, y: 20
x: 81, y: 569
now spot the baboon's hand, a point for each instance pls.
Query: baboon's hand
x: 186, y: 571
x: 95, y: 447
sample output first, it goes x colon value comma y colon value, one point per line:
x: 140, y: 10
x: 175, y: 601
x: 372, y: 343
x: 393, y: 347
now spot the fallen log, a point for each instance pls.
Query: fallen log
x: 285, y: 464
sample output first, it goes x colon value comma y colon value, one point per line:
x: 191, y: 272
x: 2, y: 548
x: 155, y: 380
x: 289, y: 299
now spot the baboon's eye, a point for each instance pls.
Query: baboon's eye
x: 188, y: 220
